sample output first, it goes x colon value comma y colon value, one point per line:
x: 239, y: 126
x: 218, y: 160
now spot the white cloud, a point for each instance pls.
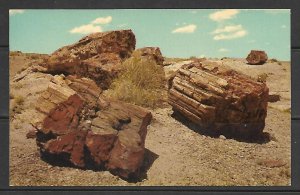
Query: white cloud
x: 223, y: 50
x: 283, y: 26
x: 223, y: 15
x: 228, y: 29
x: 229, y: 32
x: 185, y: 29
x: 86, y: 29
x: 202, y: 56
x: 16, y: 11
x: 252, y: 41
x: 103, y: 20
x: 235, y: 35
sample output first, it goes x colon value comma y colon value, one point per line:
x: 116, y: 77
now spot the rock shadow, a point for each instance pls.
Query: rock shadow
x: 259, y: 138
x: 62, y: 161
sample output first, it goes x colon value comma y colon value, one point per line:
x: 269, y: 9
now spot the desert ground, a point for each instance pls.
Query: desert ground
x: 176, y: 154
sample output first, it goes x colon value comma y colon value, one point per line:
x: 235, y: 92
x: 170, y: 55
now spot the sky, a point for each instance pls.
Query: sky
x: 178, y: 32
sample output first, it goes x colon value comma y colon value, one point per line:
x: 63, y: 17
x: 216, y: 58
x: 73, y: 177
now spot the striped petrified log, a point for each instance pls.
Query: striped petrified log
x: 219, y: 100
x: 80, y: 128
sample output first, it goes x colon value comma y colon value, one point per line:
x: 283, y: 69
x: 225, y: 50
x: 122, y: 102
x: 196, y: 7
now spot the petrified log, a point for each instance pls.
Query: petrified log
x: 219, y: 100
x: 82, y: 129
x: 150, y: 52
x: 94, y: 56
x: 257, y: 57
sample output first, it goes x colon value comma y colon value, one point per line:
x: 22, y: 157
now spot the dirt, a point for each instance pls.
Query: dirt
x: 176, y: 154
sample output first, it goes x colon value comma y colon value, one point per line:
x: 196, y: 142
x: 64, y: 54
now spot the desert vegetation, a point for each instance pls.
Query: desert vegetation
x: 141, y: 82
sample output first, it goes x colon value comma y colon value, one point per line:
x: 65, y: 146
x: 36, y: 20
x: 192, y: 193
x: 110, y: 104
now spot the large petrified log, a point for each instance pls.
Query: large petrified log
x: 257, y: 57
x: 219, y: 100
x: 82, y: 129
x: 95, y: 56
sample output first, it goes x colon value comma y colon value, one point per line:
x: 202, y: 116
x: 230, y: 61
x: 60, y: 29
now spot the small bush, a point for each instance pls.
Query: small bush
x: 17, y: 106
x: 193, y: 58
x: 262, y: 77
x: 273, y: 60
x: 19, y: 100
x: 140, y: 82
x: 18, y: 85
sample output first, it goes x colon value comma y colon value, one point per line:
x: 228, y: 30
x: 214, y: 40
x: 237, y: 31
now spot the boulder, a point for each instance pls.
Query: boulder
x: 94, y: 56
x: 153, y: 53
x: 256, y: 57
x: 81, y: 128
x: 219, y: 100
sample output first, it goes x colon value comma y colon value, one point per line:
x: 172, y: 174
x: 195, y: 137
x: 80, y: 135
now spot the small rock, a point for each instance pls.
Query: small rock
x: 273, y: 97
x: 222, y: 137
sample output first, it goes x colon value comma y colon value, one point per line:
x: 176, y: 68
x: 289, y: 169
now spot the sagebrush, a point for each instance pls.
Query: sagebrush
x: 141, y: 82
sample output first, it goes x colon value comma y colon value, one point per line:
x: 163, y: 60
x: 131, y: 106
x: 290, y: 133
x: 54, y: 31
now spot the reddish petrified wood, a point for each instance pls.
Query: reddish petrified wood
x: 64, y: 118
x: 219, y: 100
x: 257, y: 57
x: 96, y: 56
x: 150, y: 52
x: 83, y: 129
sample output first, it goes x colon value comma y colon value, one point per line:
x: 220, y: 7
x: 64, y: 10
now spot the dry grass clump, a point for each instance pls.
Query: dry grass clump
x: 140, y: 82
x: 262, y: 77
x: 18, y: 85
x: 17, y: 106
x: 273, y: 60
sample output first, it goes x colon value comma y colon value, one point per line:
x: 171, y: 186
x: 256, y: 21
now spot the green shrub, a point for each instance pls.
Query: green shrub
x: 140, y: 82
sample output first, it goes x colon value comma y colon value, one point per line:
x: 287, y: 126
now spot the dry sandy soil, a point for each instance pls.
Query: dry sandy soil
x: 176, y: 154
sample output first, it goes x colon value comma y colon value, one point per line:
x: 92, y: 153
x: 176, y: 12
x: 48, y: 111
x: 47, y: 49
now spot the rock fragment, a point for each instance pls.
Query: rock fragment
x: 256, y: 57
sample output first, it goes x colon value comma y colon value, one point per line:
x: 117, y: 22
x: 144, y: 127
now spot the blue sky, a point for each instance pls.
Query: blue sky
x: 178, y: 33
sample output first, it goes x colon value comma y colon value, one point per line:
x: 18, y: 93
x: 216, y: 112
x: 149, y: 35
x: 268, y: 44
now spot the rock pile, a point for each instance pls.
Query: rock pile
x: 219, y: 100
x: 76, y: 124
x: 256, y: 57
x: 79, y: 127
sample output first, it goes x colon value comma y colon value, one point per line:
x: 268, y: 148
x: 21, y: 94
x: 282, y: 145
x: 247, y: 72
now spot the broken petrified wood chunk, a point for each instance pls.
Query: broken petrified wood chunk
x: 96, y: 56
x: 256, y: 57
x: 84, y: 130
x: 151, y: 52
x: 273, y: 97
x: 219, y: 100
x: 102, y: 68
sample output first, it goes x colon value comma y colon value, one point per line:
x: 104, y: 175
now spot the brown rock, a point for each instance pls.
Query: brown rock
x: 150, y: 52
x: 64, y: 118
x: 219, y: 100
x: 94, y: 56
x: 31, y: 134
x: 273, y: 97
x: 101, y: 68
x: 256, y: 57
x: 68, y: 147
x: 83, y: 129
